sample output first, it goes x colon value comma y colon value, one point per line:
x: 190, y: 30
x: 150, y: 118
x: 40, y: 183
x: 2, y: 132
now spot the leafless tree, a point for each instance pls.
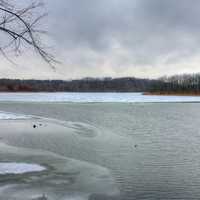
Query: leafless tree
x: 19, y: 29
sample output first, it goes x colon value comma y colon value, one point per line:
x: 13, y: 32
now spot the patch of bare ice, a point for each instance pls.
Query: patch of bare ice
x: 19, y: 168
x: 6, y: 115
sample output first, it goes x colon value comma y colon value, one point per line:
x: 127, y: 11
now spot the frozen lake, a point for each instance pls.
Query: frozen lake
x: 151, y: 151
x: 93, y: 97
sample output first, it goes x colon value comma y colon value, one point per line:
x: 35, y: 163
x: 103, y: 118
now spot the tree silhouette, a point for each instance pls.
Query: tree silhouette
x: 18, y: 26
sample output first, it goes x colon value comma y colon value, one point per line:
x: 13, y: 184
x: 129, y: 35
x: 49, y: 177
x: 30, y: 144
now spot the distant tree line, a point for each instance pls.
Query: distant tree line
x: 177, y: 84
x: 128, y: 84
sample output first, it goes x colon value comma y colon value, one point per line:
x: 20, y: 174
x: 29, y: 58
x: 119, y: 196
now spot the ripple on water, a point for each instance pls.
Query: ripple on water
x: 84, y: 129
x: 80, y: 128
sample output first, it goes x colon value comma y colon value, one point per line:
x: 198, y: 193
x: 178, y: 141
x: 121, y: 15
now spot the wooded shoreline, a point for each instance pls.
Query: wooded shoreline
x: 127, y: 84
x: 179, y: 85
x: 171, y: 94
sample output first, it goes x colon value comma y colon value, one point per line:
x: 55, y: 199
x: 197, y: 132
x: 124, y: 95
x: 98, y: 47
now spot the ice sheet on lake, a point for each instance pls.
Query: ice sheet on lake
x: 63, y: 178
x: 5, y: 115
x: 93, y: 97
x: 19, y: 168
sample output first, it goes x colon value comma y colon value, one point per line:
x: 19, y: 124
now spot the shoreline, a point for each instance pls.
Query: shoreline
x: 171, y: 94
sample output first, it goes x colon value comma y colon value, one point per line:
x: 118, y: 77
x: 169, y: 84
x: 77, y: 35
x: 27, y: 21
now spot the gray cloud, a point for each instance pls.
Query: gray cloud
x: 146, y: 28
x: 125, y: 37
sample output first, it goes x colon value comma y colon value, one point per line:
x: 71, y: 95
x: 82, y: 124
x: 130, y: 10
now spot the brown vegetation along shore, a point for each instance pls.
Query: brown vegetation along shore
x: 173, y: 93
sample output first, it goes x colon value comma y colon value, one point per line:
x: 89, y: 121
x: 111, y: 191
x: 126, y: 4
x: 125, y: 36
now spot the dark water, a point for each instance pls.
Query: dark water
x: 152, y: 150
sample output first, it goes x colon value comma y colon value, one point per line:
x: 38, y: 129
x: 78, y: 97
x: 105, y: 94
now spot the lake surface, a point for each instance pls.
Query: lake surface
x: 93, y: 97
x: 152, y: 150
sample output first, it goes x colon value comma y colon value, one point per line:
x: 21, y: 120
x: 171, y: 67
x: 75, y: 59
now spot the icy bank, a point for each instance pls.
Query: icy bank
x: 5, y: 115
x: 91, y: 97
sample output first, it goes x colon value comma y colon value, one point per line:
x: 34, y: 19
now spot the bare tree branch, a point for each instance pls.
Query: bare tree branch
x: 19, y: 25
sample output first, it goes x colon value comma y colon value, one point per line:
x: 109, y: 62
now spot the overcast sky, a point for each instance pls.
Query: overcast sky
x: 142, y: 38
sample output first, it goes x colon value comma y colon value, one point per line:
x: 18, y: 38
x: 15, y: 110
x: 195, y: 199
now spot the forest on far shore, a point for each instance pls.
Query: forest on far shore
x: 128, y: 84
x: 186, y: 84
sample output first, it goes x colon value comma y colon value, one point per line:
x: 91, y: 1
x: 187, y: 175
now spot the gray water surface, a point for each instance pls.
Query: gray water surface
x: 152, y: 150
